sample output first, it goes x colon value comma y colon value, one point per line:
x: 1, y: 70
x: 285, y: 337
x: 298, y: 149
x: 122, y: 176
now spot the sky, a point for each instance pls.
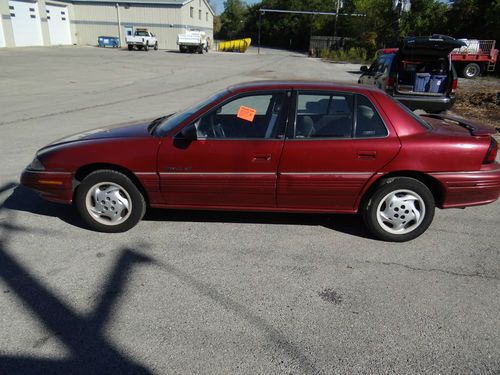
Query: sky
x: 219, y: 5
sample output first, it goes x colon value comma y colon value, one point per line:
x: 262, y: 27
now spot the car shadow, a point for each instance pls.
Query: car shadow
x: 24, y: 199
x: 348, y: 224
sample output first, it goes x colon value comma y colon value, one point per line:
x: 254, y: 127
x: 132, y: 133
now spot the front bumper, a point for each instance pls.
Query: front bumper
x: 427, y: 103
x: 463, y: 189
x: 53, y: 186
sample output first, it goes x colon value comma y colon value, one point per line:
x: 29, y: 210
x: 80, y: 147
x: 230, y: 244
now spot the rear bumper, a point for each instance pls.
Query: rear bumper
x: 53, y: 186
x: 463, y: 189
x: 427, y: 103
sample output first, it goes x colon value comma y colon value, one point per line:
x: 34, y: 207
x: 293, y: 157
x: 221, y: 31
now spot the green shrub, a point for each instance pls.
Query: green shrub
x: 354, y: 55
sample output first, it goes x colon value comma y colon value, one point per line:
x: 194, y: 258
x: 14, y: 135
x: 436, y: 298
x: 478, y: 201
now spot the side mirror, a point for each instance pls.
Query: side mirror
x: 363, y: 69
x: 189, y: 133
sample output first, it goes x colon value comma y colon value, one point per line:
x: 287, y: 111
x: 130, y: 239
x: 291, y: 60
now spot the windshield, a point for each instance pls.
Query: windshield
x: 173, y: 121
x: 141, y: 33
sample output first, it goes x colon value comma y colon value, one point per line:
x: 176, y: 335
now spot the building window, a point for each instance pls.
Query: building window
x: 12, y: 15
x: 48, y: 17
x: 191, y: 12
x: 48, y: 11
x: 33, y: 16
x: 206, y: 17
x: 199, y: 14
x: 32, y: 9
x: 11, y: 7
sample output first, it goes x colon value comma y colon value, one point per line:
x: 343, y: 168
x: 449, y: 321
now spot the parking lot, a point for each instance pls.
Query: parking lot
x: 211, y: 292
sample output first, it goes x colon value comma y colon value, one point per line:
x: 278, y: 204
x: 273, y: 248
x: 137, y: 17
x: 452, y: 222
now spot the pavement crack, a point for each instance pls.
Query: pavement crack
x: 452, y: 273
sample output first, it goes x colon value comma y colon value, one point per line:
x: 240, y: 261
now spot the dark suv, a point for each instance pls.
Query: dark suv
x: 419, y: 73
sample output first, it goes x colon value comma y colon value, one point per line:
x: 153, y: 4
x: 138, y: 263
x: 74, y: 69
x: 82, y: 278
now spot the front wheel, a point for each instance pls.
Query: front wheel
x: 399, y: 210
x: 156, y: 46
x: 146, y: 47
x: 108, y: 201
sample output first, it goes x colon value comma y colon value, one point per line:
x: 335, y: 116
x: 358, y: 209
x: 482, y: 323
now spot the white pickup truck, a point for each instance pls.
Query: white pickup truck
x: 142, y: 39
x: 193, y: 41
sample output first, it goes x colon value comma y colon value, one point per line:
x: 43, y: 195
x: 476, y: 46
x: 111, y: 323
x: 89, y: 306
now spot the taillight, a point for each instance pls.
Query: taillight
x: 491, y: 155
x: 390, y: 83
x: 454, y: 85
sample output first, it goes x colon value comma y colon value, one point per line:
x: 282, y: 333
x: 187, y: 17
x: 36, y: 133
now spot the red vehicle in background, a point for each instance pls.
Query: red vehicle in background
x: 478, y: 56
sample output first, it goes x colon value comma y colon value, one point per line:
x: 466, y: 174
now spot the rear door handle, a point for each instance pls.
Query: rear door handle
x: 366, y: 155
x: 261, y: 158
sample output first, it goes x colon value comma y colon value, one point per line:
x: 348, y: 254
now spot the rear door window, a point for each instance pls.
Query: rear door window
x: 368, y: 121
x: 324, y: 115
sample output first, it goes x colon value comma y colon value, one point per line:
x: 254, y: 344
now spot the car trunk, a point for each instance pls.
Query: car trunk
x: 424, y: 67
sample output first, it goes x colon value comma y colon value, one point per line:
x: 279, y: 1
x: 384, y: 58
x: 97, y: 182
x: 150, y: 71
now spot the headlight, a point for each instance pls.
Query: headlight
x: 36, y: 165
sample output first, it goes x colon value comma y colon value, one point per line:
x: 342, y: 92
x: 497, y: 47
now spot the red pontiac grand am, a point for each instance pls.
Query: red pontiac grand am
x: 277, y: 146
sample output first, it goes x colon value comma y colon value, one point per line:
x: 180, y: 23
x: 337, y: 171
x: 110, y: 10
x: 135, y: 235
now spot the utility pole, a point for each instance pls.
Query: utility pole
x: 336, y: 20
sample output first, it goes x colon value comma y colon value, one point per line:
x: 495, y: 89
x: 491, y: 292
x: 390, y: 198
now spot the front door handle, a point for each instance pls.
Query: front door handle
x: 261, y: 158
x: 366, y: 155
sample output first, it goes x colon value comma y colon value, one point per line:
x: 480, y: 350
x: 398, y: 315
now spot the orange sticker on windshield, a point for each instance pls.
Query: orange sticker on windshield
x: 246, y: 113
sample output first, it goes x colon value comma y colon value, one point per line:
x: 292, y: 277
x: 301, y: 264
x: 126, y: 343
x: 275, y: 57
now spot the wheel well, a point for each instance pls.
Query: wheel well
x: 432, y: 184
x: 84, y: 171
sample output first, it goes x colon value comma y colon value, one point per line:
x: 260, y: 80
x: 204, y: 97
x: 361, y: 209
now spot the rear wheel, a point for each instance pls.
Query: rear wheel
x: 130, y: 47
x: 108, y: 201
x: 399, y: 210
x: 471, y: 70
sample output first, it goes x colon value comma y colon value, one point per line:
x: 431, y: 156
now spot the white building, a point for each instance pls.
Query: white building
x: 63, y: 22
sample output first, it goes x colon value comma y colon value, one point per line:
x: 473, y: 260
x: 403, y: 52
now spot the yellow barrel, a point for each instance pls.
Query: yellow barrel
x: 237, y: 45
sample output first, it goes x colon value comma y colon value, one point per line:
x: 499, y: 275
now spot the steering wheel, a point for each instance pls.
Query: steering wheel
x: 216, y: 129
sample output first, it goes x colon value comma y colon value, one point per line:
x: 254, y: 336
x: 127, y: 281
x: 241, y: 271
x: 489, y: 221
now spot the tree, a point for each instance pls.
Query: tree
x: 232, y: 19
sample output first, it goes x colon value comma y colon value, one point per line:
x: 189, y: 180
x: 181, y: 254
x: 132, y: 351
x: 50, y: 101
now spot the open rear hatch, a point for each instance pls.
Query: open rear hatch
x: 424, y: 67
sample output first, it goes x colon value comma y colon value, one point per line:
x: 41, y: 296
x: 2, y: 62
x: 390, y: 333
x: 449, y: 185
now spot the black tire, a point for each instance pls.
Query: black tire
x: 471, y: 70
x: 412, y: 208
x: 200, y: 50
x: 130, y: 47
x: 121, y: 201
x: 156, y: 46
x: 139, y: 48
x: 146, y: 47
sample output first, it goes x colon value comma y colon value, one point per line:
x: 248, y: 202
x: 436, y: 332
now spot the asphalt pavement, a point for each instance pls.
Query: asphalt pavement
x: 219, y: 292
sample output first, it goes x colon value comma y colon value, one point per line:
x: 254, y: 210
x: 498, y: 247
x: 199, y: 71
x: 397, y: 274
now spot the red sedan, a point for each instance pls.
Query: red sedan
x: 277, y: 146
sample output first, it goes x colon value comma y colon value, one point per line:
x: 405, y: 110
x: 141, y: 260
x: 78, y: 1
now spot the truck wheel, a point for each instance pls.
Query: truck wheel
x: 399, y: 210
x: 130, y: 47
x: 200, y: 50
x: 471, y: 70
x: 146, y: 47
x: 156, y: 46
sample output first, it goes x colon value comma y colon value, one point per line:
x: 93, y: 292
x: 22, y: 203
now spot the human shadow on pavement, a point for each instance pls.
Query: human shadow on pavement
x: 82, y: 335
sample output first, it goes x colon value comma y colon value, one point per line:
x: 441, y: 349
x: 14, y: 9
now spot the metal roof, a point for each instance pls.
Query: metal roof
x: 154, y: 2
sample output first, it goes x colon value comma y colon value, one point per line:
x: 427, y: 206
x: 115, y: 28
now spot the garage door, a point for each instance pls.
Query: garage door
x: 25, y: 23
x: 2, y: 39
x: 58, y: 20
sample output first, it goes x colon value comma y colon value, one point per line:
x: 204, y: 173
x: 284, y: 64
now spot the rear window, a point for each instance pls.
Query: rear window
x: 416, y: 117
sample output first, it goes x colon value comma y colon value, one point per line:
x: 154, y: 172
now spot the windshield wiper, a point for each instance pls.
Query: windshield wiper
x: 157, y: 121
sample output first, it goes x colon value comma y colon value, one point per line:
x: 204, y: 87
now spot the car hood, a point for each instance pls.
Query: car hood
x: 119, y: 131
x: 435, y: 45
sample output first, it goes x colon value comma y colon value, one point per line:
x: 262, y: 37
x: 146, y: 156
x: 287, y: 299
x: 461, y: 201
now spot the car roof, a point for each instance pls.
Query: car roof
x: 299, y: 84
